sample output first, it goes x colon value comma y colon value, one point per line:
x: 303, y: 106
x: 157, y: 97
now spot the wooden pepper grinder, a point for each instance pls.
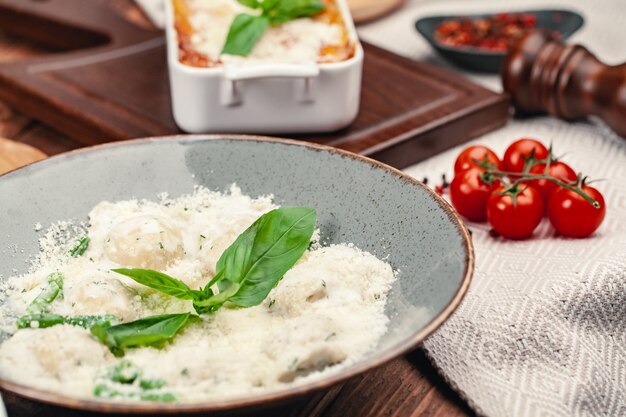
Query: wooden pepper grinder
x: 543, y: 75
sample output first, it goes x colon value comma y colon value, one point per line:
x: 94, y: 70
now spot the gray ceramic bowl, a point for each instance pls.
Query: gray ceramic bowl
x: 358, y: 200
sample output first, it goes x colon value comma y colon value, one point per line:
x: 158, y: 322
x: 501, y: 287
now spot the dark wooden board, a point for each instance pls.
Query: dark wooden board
x: 114, y: 87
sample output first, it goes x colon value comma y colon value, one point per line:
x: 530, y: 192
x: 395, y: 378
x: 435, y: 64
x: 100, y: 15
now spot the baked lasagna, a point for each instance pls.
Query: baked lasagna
x: 203, y: 27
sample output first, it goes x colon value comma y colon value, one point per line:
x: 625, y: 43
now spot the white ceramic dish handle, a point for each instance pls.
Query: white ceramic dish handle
x: 252, y: 72
x: 233, y: 75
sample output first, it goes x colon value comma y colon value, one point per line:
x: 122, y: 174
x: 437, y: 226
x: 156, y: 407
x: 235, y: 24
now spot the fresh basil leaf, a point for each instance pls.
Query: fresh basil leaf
x: 260, y: 257
x: 81, y: 247
x: 166, y: 397
x: 281, y: 241
x: 253, y: 4
x: 161, y: 282
x: 268, y: 5
x: 37, y: 315
x: 286, y: 10
x: 87, y: 322
x: 106, y: 391
x: 39, y: 306
x: 246, y: 29
x: 149, y: 384
x: 149, y: 331
x: 50, y: 293
x: 244, y: 33
x: 237, y: 258
x: 124, y: 373
x: 43, y: 320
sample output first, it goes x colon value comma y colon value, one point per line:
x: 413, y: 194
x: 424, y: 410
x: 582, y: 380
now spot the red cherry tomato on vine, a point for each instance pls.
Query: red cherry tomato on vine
x: 515, y: 221
x: 469, y: 194
x: 572, y: 215
x: 559, y: 170
x: 473, y: 154
x: 514, y: 155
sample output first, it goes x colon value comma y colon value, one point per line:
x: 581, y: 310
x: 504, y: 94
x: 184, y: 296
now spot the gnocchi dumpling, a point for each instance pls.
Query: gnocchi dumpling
x: 100, y: 296
x: 59, y: 354
x: 151, y: 242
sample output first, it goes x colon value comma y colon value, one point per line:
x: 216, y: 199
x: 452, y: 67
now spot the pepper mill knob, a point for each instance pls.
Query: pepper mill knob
x: 543, y: 75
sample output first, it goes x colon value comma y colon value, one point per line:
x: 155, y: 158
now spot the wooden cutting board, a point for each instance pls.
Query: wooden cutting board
x: 14, y: 155
x: 112, y: 85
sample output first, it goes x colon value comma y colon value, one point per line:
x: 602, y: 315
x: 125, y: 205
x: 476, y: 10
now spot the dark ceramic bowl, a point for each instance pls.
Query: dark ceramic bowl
x: 358, y: 200
x: 566, y: 22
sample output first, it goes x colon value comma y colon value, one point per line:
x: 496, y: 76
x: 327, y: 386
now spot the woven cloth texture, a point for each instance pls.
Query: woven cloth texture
x: 542, y: 330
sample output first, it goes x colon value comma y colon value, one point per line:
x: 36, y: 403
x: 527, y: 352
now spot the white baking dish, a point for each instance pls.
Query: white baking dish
x: 265, y: 98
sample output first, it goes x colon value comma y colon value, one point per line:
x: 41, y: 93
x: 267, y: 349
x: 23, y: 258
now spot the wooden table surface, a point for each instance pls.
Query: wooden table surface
x: 408, y: 386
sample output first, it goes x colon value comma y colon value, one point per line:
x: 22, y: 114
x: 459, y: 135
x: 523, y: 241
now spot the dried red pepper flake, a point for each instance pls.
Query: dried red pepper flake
x: 494, y: 33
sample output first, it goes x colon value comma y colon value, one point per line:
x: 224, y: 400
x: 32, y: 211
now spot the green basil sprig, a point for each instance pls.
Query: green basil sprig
x: 125, y: 380
x: 38, y: 308
x: 161, y: 282
x: 81, y: 246
x: 106, y: 391
x: 50, y: 293
x: 246, y: 273
x: 244, y: 33
x: 250, y: 267
x: 246, y: 29
x: 150, y: 331
x: 259, y: 258
x: 37, y: 314
x: 43, y: 320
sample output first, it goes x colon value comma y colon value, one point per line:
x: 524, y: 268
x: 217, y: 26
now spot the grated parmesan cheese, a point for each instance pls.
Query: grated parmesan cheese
x: 326, y: 313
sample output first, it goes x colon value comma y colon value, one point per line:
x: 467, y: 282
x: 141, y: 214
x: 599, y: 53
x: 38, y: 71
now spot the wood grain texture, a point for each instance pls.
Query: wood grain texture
x: 118, y: 89
x: 15, y: 154
x: 408, y: 386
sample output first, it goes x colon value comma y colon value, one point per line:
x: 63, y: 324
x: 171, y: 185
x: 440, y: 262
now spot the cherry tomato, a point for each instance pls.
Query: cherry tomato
x: 514, y: 155
x: 572, y: 215
x: 559, y: 170
x: 469, y: 194
x: 467, y: 159
x: 515, y: 221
